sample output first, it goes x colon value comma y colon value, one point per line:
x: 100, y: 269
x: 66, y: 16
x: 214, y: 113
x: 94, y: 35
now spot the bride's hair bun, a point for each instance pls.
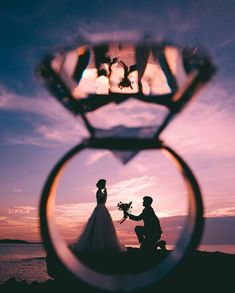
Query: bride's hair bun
x: 101, y: 183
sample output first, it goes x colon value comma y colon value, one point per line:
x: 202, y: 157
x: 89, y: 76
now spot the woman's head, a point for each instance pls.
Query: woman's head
x: 101, y: 183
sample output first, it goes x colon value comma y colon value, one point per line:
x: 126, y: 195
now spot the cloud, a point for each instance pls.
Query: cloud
x: 131, y: 113
x: 126, y: 191
x: 20, y: 210
x: 28, y: 140
x: 133, y: 185
x: 139, y: 167
x: 17, y: 190
x: 57, y: 133
x: 95, y: 157
x: 70, y: 214
x: 71, y: 218
x: 42, y: 104
x: 205, y: 126
x: 58, y: 125
x: 22, y: 223
x: 49, y: 136
x: 221, y: 212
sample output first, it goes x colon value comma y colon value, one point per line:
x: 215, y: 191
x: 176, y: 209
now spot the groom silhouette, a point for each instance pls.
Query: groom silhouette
x: 149, y: 234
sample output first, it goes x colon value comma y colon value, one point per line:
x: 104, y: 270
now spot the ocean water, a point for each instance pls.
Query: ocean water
x: 23, y: 261
x: 27, y: 261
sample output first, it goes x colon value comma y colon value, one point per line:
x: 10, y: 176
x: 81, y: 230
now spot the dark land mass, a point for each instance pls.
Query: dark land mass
x: 201, y: 272
x: 16, y: 241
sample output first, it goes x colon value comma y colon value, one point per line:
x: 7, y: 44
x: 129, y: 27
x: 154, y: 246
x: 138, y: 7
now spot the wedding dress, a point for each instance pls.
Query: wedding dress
x: 99, y: 234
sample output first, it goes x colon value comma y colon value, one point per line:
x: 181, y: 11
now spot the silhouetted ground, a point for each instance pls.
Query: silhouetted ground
x: 201, y: 272
x: 133, y: 261
x: 16, y: 241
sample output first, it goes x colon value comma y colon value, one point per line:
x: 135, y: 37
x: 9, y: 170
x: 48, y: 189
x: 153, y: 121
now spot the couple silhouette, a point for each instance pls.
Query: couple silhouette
x: 99, y: 234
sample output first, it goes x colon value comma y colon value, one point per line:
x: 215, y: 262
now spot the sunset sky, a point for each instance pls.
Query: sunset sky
x: 35, y: 130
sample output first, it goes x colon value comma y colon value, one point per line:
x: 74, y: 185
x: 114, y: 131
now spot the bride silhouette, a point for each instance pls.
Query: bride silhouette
x: 99, y: 234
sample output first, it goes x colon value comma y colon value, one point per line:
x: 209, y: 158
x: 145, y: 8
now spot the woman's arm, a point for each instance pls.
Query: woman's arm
x: 105, y: 194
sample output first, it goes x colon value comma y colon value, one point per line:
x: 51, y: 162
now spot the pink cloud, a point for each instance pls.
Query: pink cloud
x: 20, y: 210
x: 95, y: 157
x: 221, y: 212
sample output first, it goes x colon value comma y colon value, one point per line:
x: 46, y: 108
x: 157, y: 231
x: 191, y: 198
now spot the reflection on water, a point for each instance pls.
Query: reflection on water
x: 27, y: 262
x: 23, y: 261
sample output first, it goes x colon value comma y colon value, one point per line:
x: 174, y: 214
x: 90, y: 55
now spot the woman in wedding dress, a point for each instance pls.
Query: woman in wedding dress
x: 99, y: 234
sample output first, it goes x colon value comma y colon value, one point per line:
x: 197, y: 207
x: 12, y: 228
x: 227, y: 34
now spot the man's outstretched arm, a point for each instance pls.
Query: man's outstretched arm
x: 135, y: 218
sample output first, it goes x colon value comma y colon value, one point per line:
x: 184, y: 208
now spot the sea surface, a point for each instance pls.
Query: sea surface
x: 27, y: 261
x: 23, y: 261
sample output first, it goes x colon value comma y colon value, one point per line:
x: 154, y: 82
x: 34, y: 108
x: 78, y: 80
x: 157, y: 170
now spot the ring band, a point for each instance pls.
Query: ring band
x: 56, y: 245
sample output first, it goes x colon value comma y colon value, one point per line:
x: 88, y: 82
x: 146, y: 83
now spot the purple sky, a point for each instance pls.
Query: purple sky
x: 35, y: 131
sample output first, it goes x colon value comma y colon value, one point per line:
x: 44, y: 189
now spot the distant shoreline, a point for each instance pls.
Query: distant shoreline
x: 17, y: 241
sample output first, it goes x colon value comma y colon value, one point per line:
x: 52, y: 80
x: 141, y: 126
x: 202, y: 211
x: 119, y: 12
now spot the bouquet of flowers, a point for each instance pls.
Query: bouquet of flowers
x: 125, y: 207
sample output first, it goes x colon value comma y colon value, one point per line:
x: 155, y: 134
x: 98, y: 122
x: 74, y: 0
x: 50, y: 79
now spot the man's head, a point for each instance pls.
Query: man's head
x: 147, y: 201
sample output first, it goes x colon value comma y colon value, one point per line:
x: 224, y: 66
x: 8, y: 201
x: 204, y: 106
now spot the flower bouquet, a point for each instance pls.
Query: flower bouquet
x: 125, y: 207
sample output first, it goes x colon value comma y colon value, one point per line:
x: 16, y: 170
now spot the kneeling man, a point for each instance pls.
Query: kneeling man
x: 149, y: 234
